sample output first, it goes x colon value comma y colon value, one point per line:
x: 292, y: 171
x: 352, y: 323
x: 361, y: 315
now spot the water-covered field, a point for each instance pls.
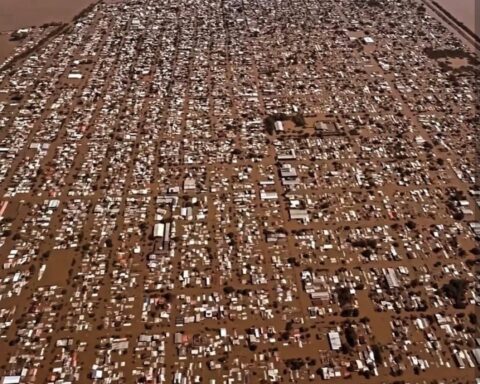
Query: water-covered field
x: 16, y: 14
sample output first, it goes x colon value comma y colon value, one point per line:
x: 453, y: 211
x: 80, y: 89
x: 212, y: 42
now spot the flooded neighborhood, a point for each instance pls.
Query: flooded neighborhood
x: 239, y: 191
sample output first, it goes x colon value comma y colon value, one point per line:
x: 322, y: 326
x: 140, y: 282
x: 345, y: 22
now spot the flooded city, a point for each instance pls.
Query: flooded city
x: 238, y: 191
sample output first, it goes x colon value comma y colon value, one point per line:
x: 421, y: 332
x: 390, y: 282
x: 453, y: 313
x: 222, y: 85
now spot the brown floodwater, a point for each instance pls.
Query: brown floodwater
x: 16, y: 14
x: 462, y: 10
x: 6, y: 46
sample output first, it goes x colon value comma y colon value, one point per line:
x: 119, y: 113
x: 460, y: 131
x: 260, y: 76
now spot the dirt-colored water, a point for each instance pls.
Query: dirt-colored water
x: 462, y: 10
x: 16, y: 14
x: 6, y: 46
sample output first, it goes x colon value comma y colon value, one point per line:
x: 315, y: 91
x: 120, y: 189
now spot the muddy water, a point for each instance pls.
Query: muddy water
x: 16, y: 14
x: 6, y: 46
x: 462, y: 10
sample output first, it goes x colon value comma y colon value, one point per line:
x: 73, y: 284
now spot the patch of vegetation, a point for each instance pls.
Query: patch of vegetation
x: 228, y: 290
x: 374, y: 3
x: 351, y: 336
x: 299, y: 120
x: 84, y: 11
x: 295, y: 364
x: 363, y: 243
x: 377, y: 353
x: 269, y: 121
x: 455, y: 290
x: 344, y: 296
x: 451, y: 54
